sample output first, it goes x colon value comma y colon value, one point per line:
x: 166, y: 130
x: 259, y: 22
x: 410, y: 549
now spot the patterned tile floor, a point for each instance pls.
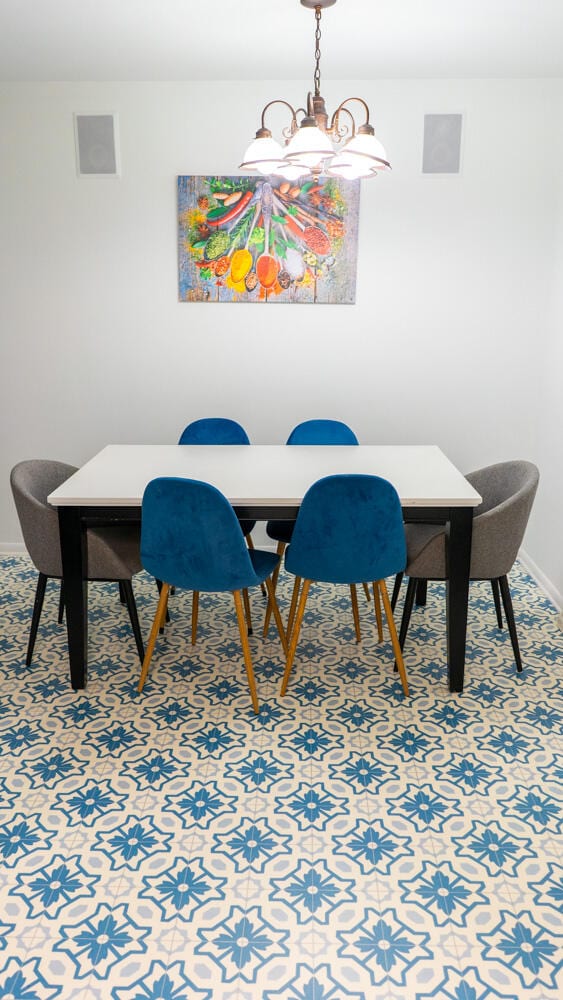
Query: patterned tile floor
x: 347, y: 844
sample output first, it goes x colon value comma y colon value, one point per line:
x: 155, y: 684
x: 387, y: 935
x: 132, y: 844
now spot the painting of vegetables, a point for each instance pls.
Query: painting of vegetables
x: 258, y: 239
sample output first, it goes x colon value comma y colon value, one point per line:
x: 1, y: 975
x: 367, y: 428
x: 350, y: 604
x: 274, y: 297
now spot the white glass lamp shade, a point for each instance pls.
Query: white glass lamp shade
x: 287, y: 170
x: 264, y: 155
x: 366, y: 147
x: 350, y: 168
x: 308, y: 147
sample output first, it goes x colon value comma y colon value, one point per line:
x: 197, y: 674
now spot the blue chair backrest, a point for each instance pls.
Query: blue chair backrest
x: 322, y: 432
x: 190, y: 537
x: 349, y: 529
x: 214, y: 430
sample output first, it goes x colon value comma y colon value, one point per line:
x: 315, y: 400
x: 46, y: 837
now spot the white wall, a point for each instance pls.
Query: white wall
x: 453, y: 316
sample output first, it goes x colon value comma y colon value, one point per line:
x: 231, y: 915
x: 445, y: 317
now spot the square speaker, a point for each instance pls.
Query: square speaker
x: 96, y: 146
x: 442, y: 144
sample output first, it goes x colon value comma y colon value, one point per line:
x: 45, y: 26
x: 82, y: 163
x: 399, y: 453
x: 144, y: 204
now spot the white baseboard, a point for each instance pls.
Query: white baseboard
x: 541, y: 579
x: 11, y: 548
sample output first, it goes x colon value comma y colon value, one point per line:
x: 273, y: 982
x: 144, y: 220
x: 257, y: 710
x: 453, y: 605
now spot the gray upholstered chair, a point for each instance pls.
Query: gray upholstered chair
x: 499, y: 522
x: 113, y: 552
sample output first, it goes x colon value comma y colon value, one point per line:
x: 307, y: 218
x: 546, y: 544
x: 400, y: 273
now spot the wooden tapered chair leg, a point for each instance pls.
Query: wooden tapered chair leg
x: 246, y: 650
x: 509, y: 613
x: 366, y: 591
x: 293, y: 607
x: 496, y: 599
x: 246, y: 602
x: 132, y: 609
x: 37, y: 608
x: 250, y: 543
x: 295, y: 634
x: 394, y: 638
x: 195, y: 611
x: 156, y: 626
x: 280, y: 549
x: 277, y: 616
x: 355, y: 612
x: 377, y: 606
x: 61, y: 603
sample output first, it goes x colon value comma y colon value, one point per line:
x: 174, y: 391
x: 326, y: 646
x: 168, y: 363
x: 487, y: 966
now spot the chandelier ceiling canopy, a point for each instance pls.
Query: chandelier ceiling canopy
x: 313, y: 144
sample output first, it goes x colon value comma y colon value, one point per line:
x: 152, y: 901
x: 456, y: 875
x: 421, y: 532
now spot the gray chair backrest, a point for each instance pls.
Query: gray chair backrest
x: 508, y: 490
x: 32, y: 481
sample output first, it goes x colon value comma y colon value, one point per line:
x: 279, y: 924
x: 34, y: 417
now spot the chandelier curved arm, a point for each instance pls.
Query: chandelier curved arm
x: 289, y: 130
x: 365, y: 128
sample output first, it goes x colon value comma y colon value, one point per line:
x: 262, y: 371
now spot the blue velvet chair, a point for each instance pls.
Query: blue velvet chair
x: 349, y: 529
x: 190, y: 537
x: 329, y: 432
x: 219, y: 430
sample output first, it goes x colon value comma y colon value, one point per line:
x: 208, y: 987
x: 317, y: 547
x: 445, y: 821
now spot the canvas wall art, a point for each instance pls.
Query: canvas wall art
x: 264, y: 240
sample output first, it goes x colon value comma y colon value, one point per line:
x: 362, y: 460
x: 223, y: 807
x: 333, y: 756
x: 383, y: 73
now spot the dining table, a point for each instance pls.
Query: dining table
x: 262, y: 482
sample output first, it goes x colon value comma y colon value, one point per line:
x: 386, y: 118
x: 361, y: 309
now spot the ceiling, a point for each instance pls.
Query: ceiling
x: 274, y: 39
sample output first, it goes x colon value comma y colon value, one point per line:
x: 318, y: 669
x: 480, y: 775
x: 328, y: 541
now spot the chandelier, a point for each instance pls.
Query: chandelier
x: 312, y: 145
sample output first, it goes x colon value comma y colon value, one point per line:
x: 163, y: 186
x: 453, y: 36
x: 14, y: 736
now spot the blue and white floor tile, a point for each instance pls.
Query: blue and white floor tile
x: 346, y: 844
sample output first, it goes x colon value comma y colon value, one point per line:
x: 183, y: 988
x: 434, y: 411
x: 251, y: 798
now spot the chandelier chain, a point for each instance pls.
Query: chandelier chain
x: 317, y: 76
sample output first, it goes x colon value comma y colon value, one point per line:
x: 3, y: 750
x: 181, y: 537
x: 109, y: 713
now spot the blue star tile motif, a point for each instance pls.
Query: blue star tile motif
x: 115, y: 739
x: 242, y: 944
x: 312, y: 891
x: 212, y: 741
x: 543, y: 718
x: 21, y: 836
x: 18, y: 739
x: 258, y: 771
x: 48, y: 889
x: 384, y: 946
x: 311, y: 806
x: 468, y: 773
x: 533, y: 806
x: 371, y: 846
x: 357, y: 715
x: 500, y: 853
x: 132, y: 842
x: 526, y: 948
x: 97, y: 942
x: 253, y: 844
x: 199, y: 804
x: 312, y: 741
x: 411, y: 743
x: 52, y: 767
x: 153, y: 770
x: 172, y: 713
x: 87, y: 804
x: 440, y: 891
x: 25, y: 981
x: 450, y: 716
x: 507, y: 742
x: 222, y: 690
x: 364, y: 772
x: 424, y: 807
x: 182, y: 889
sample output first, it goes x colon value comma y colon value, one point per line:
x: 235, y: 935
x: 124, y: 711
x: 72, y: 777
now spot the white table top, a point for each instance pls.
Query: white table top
x: 266, y: 475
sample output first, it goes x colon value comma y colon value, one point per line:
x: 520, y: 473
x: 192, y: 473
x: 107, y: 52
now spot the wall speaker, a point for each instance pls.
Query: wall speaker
x: 96, y: 145
x: 442, y: 144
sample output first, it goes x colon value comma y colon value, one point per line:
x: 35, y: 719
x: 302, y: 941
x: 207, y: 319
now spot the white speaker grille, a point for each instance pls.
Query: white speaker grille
x: 95, y: 145
x: 442, y: 144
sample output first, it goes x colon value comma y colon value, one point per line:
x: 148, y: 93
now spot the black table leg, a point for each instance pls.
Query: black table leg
x: 457, y: 591
x: 74, y: 556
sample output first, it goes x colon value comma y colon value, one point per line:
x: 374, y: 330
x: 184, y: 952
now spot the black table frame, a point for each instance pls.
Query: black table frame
x: 73, y: 521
